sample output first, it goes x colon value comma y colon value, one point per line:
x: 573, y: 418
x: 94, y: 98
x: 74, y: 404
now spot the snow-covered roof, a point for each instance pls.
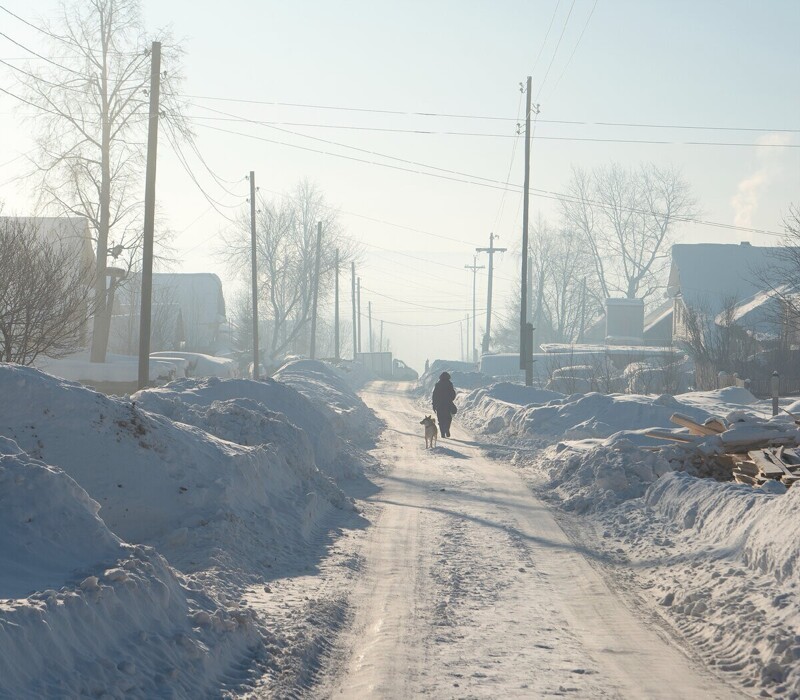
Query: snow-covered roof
x: 760, y: 314
x: 708, y: 276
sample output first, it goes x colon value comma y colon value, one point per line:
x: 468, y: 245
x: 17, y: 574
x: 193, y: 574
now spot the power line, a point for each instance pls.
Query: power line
x: 575, y: 48
x: 641, y: 125
x: 488, y: 182
x: 38, y: 55
x: 426, y: 132
x: 555, y: 51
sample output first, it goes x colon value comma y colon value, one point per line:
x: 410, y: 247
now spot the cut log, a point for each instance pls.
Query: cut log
x: 694, y: 427
x: 716, y: 425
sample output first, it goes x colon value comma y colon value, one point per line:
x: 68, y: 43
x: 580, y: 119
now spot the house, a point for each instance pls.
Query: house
x: 188, y: 313
x: 69, y: 236
x: 69, y: 233
x: 711, y: 278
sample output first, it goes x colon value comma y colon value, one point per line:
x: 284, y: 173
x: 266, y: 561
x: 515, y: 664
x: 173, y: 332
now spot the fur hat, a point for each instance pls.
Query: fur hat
x: 444, y: 375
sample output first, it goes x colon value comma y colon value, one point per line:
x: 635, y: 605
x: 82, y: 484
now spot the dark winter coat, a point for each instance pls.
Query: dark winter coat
x: 444, y: 394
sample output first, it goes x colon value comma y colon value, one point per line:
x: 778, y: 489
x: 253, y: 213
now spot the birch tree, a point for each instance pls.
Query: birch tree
x: 90, y: 129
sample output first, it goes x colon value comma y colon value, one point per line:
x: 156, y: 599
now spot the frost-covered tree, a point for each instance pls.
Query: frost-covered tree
x: 286, y: 245
x: 626, y: 218
x: 45, y: 294
x: 90, y: 128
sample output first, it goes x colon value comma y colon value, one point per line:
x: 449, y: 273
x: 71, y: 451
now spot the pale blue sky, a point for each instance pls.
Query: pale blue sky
x: 710, y: 63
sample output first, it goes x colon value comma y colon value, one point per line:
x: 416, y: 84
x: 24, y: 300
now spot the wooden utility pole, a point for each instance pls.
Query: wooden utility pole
x: 355, y: 316
x: 358, y: 296
x: 336, y: 310
x: 149, y: 221
x: 381, y: 348
x: 254, y: 272
x: 369, y: 307
x: 474, y: 267
x: 313, y: 350
x: 491, y: 250
x: 523, y: 309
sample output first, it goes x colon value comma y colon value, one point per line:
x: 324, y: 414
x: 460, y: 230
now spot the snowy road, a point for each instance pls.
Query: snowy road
x: 471, y: 589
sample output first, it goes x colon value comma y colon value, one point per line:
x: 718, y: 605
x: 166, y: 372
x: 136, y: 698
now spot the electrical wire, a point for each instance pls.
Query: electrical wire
x: 639, y: 125
x: 492, y: 184
x: 38, y: 55
x: 575, y: 48
x: 555, y: 51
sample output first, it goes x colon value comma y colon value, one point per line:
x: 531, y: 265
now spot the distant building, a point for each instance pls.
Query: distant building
x: 188, y: 313
x: 70, y: 235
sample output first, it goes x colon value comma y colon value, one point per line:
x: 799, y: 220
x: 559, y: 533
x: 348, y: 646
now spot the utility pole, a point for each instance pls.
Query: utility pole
x: 336, y: 310
x: 254, y: 271
x: 381, y: 348
x: 491, y: 250
x: 313, y: 350
x: 369, y: 307
x: 583, y: 310
x: 355, y: 317
x: 149, y: 223
x: 358, y: 295
x: 523, y: 308
x: 461, y: 338
x: 468, y: 353
x: 474, y: 267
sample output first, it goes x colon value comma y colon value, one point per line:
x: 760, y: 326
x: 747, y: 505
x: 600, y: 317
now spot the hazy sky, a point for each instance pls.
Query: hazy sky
x: 722, y: 63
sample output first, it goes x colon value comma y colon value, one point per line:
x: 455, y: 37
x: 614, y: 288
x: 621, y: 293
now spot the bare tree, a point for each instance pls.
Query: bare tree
x: 717, y: 343
x: 90, y: 125
x: 45, y: 292
x: 286, y: 235
x: 558, y: 264
x: 626, y: 219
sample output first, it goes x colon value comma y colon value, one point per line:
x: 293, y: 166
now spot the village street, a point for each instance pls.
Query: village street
x: 468, y: 587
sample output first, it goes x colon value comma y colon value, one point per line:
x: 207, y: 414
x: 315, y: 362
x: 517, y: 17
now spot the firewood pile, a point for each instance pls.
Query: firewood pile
x: 752, y: 450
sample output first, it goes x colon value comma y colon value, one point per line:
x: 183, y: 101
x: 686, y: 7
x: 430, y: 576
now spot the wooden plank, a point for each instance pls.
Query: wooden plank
x: 767, y: 463
x: 742, y: 478
x: 694, y: 427
x: 676, y: 437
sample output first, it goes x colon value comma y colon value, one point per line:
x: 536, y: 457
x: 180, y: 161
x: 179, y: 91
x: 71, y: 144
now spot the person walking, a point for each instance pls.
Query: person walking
x: 444, y: 395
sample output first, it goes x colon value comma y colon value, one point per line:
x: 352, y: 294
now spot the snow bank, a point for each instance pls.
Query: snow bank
x: 199, y: 499
x: 191, y: 401
x: 320, y: 383
x: 83, y: 614
x: 720, y: 561
x: 200, y: 365
x: 491, y: 409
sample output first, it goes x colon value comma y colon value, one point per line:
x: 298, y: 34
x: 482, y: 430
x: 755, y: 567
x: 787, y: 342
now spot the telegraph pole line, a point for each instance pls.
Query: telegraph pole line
x: 313, y: 350
x: 149, y: 221
x: 474, y: 267
x: 355, y: 316
x: 254, y: 271
x: 491, y: 250
x: 369, y: 307
x: 523, y: 306
x: 336, y: 310
x: 358, y: 296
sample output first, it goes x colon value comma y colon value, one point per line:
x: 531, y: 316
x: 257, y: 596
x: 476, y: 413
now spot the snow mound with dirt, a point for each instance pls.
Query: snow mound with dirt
x: 83, y: 614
